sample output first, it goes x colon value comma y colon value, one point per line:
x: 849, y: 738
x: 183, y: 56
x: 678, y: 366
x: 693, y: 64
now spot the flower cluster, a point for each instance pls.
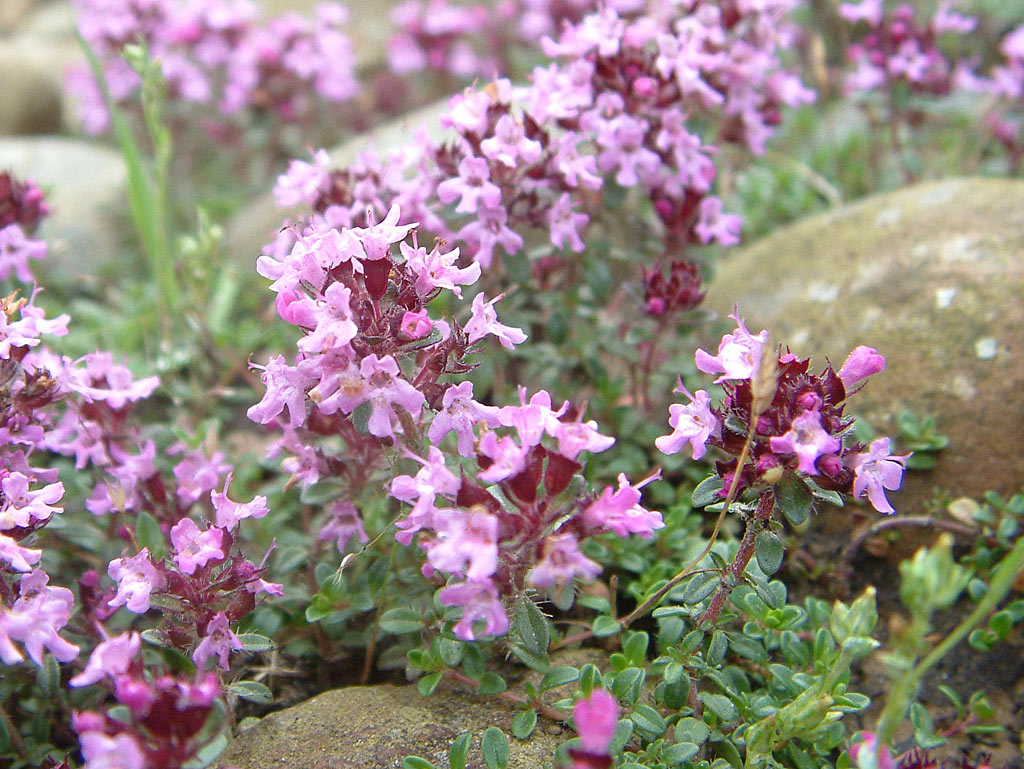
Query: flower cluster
x: 373, y: 369
x: 216, y: 53
x: 166, y: 716
x: 900, y: 49
x: 22, y: 206
x: 1006, y: 83
x: 615, y: 103
x: 519, y: 524
x: 795, y: 418
x: 32, y: 612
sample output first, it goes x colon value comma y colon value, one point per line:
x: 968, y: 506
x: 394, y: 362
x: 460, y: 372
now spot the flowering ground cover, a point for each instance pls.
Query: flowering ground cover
x: 477, y: 419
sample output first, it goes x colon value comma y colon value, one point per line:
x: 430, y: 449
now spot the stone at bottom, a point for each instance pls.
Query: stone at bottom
x: 375, y: 727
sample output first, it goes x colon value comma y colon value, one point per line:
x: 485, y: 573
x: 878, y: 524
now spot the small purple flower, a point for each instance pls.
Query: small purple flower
x: 344, y: 524
x: 864, y: 755
x: 21, y: 504
x: 620, y: 511
x: 875, y: 471
x: 693, y: 423
x: 808, y: 440
x: 20, y: 558
x: 574, y: 437
x: 459, y: 413
x: 229, y: 512
x: 112, y: 658
x: 303, y: 182
x: 435, y: 270
x: 560, y: 563
x: 286, y: 390
x: 218, y: 641
x: 472, y: 186
x: 595, y: 718
x: 485, y: 321
x: 415, y: 325
x: 121, y: 751
x: 480, y: 603
x: 466, y: 543
x: 195, y: 548
x: 136, y: 579
x: 507, y: 457
x: 738, y: 356
x: 35, y: 619
x: 510, y: 143
x: 861, y: 363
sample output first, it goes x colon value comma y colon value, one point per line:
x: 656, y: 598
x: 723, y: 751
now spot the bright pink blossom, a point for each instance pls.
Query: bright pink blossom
x: 218, y: 642
x: 195, y: 548
x: 693, y: 423
x: 136, y: 579
x: 111, y: 658
x: 808, y: 440
x: 875, y: 471
x: 480, y: 604
x: 595, y: 718
x: 861, y: 363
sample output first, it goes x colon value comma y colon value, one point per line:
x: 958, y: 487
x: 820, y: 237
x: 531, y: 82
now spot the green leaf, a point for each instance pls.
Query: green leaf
x: 401, y: 621
x: 254, y: 642
x: 692, y: 730
x: 623, y: 731
x: 415, y: 762
x: 794, y: 499
x: 492, y: 683
x: 532, y: 626
x: 459, y: 750
x: 524, y: 723
x: 450, y: 651
x: 769, y: 551
x: 717, y: 648
x: 559, y: 676
x: 428, y: 683
x: 628, y: 684
x: 48, y: 677
x: 700, y: 586
x: 210, y: 752
x: 606, y: 626
x: 149, y: 535
x: 720, y: 705
x: 589, y: 678
x: 680, y: 753
x: 648, y: 719
x: 154, y: 637
x: 494, y: 746
x: 251, y: 691
x: 707, y: 491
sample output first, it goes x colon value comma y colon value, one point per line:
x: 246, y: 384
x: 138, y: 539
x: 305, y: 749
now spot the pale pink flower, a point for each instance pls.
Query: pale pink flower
x: 480, y: 603
x: 693, y: 423
x: 218, y: 641
x: 875, y: 471
x: 485, y: 321
x: 110, y: 658
x: 136, y: 579
x: 807, y: 439
x: 861, y: 363
x: 195, y: 548
x: 739, y: 353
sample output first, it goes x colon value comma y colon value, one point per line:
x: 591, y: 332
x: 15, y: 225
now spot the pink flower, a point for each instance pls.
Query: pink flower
x: 472, y: 186
x: 574, y: 437
x: 286, y: 389
x: 860, y: 364
x: 218, y: 641
x: 415, y: 325
x: 15, y: 251
x: 21, y: 505
x: 229, y: 512
x: 868, y: 10
x: 875, y: 471
x: 434, y: 478
x: 560, y: 563
x: 480, y: 603
x: 807, y: 439
x: 466, y: 543
x: 136, y: 579
x: 195, y: 548
x: 121, y: 751
x: 459, y: 413
x: 304, y: 182
x: 620, y: 511
x: 693, y: 423
x: 35, y: 619
x: 435, y: 270
x: 715, y: 225
x: 507, y: 457
x: 485, y: 321
x: 867, y: 755
x: 510, y: 144
x: 595, y: 718
x: 20, y: 558
x: 111, y: 658
x: 739, y: 353
x: 344, y: 524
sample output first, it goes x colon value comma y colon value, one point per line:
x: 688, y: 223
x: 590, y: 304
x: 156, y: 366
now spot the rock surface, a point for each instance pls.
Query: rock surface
x: 933, y: 277
x: 84, y: 184
x: 375, y: 727
x: 31, y: 71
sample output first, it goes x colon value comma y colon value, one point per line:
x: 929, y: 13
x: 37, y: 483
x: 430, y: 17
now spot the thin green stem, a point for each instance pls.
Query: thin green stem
x: 906, y: 688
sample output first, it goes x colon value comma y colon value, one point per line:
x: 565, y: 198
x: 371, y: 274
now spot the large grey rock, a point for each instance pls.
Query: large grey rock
x: 85, y: 189
x: 375, y: 727
x: 32, y: 71
x: 256, y: 224
x: 14, y: 12
x: 932, y: 276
